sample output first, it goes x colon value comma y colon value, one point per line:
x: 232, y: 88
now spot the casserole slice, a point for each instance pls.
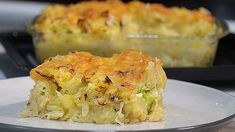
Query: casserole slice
x: 81, y: 87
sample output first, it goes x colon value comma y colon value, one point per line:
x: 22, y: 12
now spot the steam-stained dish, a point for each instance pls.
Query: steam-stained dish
x: 108, y: 27
x: 81, y: 87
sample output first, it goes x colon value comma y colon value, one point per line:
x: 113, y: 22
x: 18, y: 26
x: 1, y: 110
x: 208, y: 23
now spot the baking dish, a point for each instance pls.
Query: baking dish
x: 174, y: 51
x: 19, y: 47
x: 178, y: 36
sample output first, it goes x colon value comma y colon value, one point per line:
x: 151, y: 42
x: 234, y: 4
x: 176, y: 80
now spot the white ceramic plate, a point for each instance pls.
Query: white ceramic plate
x: 188, y: 107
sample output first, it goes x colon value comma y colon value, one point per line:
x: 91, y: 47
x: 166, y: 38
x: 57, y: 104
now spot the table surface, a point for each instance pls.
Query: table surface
x: 229, y: 128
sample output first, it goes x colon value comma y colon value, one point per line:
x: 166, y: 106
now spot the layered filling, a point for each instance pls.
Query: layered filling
x: 99, y: 98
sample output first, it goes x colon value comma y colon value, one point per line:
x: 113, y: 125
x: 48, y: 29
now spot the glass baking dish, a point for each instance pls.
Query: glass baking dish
x: 193, y: 51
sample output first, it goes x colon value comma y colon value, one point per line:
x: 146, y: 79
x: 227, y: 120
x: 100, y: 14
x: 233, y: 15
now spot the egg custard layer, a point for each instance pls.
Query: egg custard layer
x: 81, y: 87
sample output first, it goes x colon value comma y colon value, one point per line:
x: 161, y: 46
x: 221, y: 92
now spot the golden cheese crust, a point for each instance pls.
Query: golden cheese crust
x: 81, y: 87
x: 126, y: 68
x: 95, y: 17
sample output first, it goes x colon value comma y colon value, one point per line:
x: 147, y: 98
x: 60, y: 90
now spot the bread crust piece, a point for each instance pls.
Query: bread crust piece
x: 81, y: 87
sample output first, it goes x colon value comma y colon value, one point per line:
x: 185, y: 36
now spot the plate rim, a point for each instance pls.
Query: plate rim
x: 215, y: 124
x: 221, y: 122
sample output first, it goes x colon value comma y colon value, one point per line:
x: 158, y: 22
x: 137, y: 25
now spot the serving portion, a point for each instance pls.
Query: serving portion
x: 81, y: 87
x: 108, y: 27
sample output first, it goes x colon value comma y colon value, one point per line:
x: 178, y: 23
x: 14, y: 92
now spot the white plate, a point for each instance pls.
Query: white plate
x: 188, y: 106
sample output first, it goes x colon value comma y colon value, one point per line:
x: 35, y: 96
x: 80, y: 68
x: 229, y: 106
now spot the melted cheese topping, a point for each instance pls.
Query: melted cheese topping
x: 114, y: 18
